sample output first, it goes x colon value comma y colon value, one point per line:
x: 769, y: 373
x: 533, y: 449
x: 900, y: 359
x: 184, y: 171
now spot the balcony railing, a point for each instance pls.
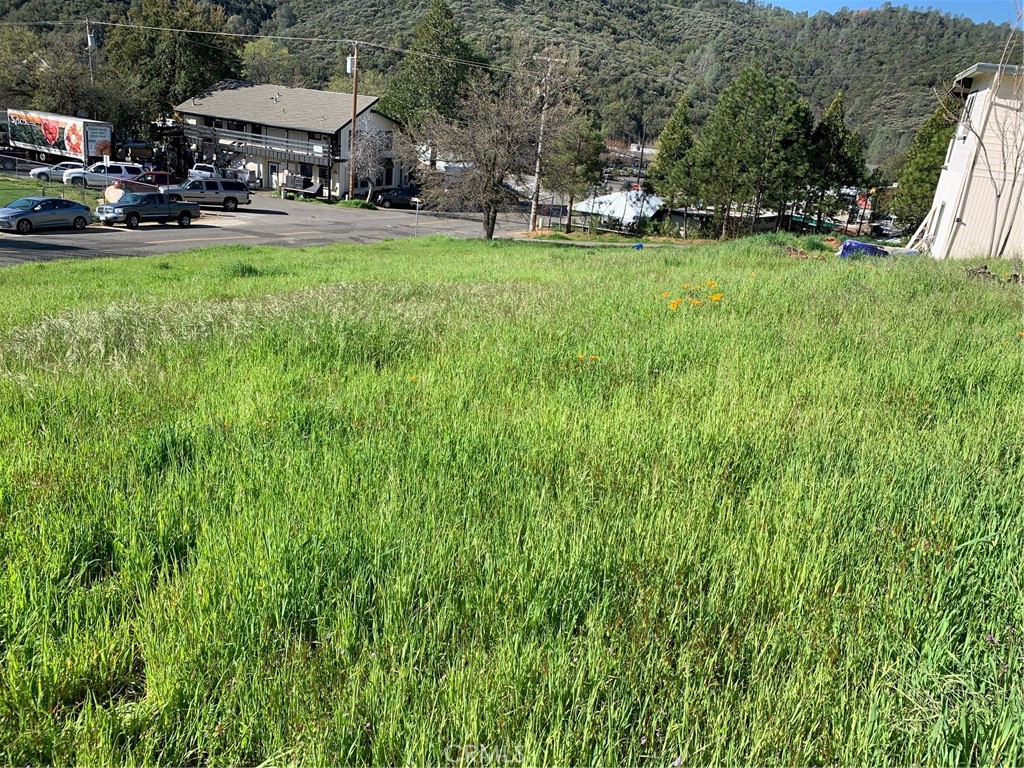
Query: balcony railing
x: 313, y: 152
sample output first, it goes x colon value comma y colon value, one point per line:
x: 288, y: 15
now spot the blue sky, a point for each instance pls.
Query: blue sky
x: 998, y: 11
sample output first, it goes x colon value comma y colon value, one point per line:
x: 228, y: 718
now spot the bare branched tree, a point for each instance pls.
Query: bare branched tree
x: 373, y: 144
x: 492, y: 142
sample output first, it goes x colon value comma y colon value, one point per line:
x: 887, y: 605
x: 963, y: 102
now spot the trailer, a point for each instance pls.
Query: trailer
x: 49, y: 137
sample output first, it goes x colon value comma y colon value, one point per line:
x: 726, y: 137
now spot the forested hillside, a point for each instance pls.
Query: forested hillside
x: 642, y: 57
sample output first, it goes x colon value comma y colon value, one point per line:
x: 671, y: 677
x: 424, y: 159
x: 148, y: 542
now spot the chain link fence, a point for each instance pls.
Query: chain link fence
x: 12, y: 189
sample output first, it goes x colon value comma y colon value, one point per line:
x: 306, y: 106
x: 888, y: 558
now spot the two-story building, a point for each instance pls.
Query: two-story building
x: 272, y: 135
x: 977, y: 207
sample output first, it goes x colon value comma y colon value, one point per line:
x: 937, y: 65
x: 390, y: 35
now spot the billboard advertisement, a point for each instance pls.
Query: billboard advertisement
x: 98, y: 139
x: 58, y: 134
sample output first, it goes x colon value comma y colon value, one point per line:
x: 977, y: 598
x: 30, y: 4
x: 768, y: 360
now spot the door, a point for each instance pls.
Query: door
x: 45, y: 214
x: 272, y: 173
x: 212, y: 193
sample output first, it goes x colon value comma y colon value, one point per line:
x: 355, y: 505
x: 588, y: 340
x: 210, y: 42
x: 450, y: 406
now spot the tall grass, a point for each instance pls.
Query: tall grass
x: 445, y: 502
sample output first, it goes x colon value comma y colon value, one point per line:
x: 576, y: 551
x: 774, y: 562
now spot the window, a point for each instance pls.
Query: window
x: 233, y: 186
x: 211, y: 186
x: 306, y: 170
x: 966, y: 118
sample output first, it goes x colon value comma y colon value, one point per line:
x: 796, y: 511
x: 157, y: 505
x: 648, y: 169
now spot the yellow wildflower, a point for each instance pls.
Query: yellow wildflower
x: 686, y: 286
x: 664, y: 294
x: 711, y: 284
x: 579, y: 357
x: 593, y: 358
x: 715, y: 297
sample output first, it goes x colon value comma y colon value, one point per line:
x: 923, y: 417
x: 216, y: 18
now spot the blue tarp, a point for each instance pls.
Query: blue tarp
x: 852, y: 249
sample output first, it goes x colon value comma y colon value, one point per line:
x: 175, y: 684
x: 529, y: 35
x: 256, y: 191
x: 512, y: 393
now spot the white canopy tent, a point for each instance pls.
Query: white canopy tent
x: 623, y: 207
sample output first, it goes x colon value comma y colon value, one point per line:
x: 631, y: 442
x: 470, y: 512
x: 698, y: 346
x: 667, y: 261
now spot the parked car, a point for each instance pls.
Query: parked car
x: 136, y: 207
x: 28, y: 213
x: 226, y: 193
x: 204, y: 171
x: 150, y: 181
x: 47, y: 172
x: 100, y: 175
x: 399, y: 197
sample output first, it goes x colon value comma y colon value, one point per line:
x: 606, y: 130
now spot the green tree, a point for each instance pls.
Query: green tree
x: 838, y: 157
x: 166, y: 66
x: 434, y: 70
x: 671, y: 174
x: 572, y: 166
x: 493, y: 136
x: 752, y: 150
x: 265, y: 61
x: 920, y: 173
x: 19, y: 65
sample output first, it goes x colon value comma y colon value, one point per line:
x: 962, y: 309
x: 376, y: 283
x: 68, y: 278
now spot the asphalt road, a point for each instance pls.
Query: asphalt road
x: 269, y: 220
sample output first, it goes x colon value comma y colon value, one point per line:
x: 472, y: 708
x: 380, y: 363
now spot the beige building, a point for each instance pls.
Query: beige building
x: 274, y: 136
x: 977, y: 207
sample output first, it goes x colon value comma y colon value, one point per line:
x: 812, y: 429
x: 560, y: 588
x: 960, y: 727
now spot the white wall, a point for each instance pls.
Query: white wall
x: 977, y: 201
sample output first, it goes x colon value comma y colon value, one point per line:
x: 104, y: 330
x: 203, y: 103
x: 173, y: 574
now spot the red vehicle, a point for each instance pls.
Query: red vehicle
x: 151, y: 181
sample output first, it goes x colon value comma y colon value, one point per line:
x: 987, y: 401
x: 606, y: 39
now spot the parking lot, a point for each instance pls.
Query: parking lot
x: 269, y: 220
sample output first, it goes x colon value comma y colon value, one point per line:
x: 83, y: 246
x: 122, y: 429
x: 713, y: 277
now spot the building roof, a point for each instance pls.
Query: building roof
x: 302, y: 109
x: 627, y: 207
x: 964, y: 80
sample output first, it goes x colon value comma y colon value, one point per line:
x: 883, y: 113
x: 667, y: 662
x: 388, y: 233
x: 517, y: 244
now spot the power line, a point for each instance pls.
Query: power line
x: 750, y: 37
x: 283, y: 38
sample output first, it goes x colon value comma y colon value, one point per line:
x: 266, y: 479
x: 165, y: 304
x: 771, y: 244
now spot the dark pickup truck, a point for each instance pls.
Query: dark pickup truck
x: 135, y: 207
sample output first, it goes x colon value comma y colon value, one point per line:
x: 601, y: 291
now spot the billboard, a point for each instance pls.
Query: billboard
x: 59, y: 134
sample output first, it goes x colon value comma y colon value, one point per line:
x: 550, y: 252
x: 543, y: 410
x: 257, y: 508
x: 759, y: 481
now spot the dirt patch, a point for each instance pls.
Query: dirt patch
x: 799, y: 253
x: 981, y: 273
x: 984, y: 273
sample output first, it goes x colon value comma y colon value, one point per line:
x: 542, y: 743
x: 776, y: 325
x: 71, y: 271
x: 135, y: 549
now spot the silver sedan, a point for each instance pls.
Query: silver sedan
x: 28, y: 213
x: 47, y: 172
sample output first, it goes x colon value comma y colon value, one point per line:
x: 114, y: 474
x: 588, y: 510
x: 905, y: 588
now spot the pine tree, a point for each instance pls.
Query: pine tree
x: 920, y: 173
x: 838, y: 154
x: 434, y: 71
x: 573, y: 166
x: 753, y: 148
x: 670, y: 174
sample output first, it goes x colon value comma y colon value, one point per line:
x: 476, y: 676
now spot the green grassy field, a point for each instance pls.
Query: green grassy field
x: 11, y: 188
x: 440, y: 502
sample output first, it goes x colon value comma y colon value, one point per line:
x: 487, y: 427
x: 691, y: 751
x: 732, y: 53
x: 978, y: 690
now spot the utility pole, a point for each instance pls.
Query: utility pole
x: 90, y: 43
x: 640, y: 165
x: 353, y: 69
x: 545, y: 85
